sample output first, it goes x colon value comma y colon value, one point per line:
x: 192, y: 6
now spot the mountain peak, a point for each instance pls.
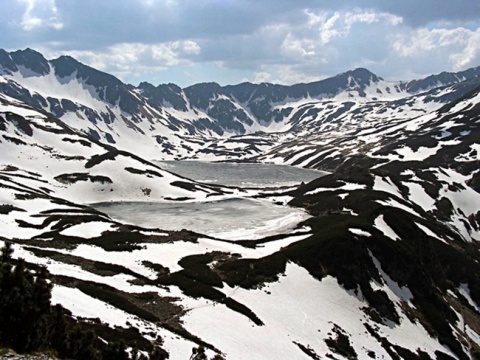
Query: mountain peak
x: 31, y: 60
x: 362, y: 76
x: 66, y: 65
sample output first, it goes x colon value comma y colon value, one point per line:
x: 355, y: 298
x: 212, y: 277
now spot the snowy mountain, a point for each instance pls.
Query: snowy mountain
x: 385, y: 266
x: 168, y: 122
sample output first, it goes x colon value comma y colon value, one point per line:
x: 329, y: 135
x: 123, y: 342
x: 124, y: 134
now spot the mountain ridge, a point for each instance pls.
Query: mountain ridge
x: 385, y: 264
x: 195, y: 121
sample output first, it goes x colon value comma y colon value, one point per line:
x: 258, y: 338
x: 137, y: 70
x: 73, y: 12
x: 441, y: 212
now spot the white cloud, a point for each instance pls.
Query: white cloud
x: 327, y: 26
x: 191, y: 47
x: 288, y: 74
x: 262, y: 76
x: 297, y: 48
x: 470, y: 56
x: 328, y: 30
x: 370, y: 17
x: 126, y: 60
x: 263, y: 41
x: 40, y: 13
x: 460, y: 46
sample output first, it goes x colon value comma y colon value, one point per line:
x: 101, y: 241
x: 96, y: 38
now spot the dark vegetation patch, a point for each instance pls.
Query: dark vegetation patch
x: 161, y: 270
x: 197, y: 267
x: 150, y: 173
x: 75, y: 177
x: 121, y: 300
x: 182, y: 198
x: 474, y: 182
x: 14, y: 140
x: 307, y: 350
x: 427, y: 266
x: 197, y: 289
x: 109, y: 241
x: 28, y: 196
x: 126, y: 238
x: 97, y: 159
x: 397, y: 352
x: 149, y: 306
x: 64, y: 221
x: 28, y: 175
x: 20, y: 122
x: 10, y: 168
x: 31, y: 324
x: 188, y: 186
x: 6, y: 209
x: 200, y: 278
x: 254, y: 243
x: 80, y: 141
x: 253, y: 273
x: 95, y: 267
x: 340, y: 344
x: 81, y: 209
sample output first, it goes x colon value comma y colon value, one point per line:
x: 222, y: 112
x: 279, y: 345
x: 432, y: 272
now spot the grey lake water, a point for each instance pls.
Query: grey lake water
x: 236, y: 218
x: 242, y: 175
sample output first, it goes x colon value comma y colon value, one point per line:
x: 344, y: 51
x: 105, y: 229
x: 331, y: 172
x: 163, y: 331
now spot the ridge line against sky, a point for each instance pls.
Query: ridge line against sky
x: 231, y: 41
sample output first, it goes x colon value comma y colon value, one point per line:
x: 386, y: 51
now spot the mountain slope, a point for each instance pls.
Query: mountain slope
x: 169, y: 122
x: 78, y: 167
x: 386, y: 266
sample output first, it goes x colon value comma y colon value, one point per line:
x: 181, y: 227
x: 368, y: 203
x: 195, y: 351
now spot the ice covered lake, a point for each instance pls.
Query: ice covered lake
x: 238, y: 218
x: 242, y: 175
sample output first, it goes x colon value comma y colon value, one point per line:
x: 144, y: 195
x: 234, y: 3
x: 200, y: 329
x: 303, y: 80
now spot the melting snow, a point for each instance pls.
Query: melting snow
x: 465, y: 291
x: 396, y: 204
x: 419, y: 196
x: 429, y: 232
x: 360, y: 232
x: 306, y: 319
x: 346, y: 187
x: 391, y: 287
x: 386, y: 185
x: 381, y: 225
x: 88, y: 229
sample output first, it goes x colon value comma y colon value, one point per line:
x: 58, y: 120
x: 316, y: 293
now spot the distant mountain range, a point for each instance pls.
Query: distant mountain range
x: 386, y: 267
x: 175, y: 123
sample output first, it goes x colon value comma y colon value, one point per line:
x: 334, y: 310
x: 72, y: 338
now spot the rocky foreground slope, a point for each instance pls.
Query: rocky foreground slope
x: 387, y: 266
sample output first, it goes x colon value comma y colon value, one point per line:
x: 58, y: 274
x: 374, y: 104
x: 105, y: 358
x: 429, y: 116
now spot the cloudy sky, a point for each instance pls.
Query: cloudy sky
x: 231, y: 41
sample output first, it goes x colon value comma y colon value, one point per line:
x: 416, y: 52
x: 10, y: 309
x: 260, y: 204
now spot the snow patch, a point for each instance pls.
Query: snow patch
x: 465, y: 291
x: 360, y: 232
x: 88, y: 230
x: 381, y: 225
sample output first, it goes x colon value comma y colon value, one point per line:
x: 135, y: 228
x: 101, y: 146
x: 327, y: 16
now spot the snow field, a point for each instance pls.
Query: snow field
x: 306, y: 319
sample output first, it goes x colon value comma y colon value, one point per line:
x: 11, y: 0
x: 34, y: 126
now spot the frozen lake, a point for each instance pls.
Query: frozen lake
x: 242, y: 175
x: 233, y: 219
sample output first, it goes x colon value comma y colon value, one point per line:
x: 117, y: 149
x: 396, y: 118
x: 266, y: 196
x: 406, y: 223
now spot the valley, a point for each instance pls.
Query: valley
x: 376, y: 258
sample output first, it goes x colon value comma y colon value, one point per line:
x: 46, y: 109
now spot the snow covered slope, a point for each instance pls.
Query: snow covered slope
x: 385, y: 267
x: 167, y: 122
x: 74, y: 166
